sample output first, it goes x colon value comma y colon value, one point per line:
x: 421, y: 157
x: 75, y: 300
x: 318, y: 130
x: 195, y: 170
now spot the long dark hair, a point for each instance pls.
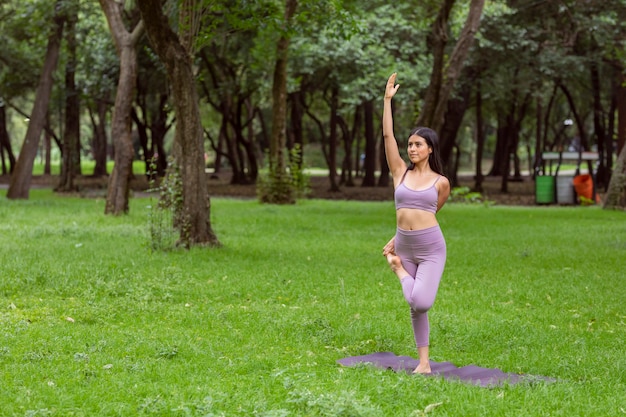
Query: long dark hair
x: 432, y: 140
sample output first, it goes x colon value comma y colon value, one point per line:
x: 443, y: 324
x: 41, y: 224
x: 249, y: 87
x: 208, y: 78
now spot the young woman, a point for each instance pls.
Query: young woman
x: 417, y: 253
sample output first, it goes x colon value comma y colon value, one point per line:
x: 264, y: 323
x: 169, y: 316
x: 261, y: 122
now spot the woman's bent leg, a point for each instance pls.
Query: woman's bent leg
x: 423, y: 256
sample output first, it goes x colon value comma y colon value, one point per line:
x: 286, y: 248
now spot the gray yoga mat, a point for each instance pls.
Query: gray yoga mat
x: 484, y: 377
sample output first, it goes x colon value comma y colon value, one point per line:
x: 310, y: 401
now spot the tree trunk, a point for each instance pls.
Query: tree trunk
x: 437, y: 43
x: 5, y: 143
x: 455, y: 113
x: 507, y: 142
x: 252, y: 151
x: 142, y: 134
x: 99, y: 144
x: 538, y: 137
x: 296, y: 125
x: 153, y: 121
x: 616, y: 194
x: 19, y: 186
x: 159, y: 127
x: 502, y: 144
x: 244, y: 147
x: 621, y: 115
x: 349, y: 136
x: 332, y: 140
x: 279, y: 112
x: 434, y: 116
x: 599, y: 127
x: 195, y: 228
x: 125, y: 44
x: 369, y: 179
x: 383, y: 180
x: 47, y: 148
x: 480, y: 140
x: 70, y: 166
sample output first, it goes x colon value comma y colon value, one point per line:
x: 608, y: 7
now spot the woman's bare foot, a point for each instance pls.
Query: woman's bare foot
x: 394, y: 262
x: 396, y: 266
x: 423, y: 368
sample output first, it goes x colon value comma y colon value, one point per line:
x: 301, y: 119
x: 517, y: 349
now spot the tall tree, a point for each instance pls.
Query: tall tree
x: 445, y: 74
x: 176, y: 52
x: 616, y: 194
x: 5, y: 143
x: 369, y: 164
x: 70, y: 166
x: 121, y: 124
x: 615, y: 197
x: 280, y: 190
x: 19, y: 186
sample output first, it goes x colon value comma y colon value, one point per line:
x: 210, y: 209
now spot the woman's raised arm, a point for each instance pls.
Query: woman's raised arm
x: 397, y: 166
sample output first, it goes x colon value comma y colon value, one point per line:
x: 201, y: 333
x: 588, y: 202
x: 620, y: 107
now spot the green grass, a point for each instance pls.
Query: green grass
x: 94, y: 324
x: 87, y: 167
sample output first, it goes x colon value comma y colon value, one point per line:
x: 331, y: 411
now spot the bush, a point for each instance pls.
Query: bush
x: 274, y: 187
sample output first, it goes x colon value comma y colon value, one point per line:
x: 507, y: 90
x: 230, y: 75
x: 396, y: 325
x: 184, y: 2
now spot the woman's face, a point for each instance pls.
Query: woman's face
x: 418, y: 149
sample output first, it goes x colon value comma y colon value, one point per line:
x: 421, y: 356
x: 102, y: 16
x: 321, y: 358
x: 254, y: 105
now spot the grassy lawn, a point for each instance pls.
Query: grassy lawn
x: 87, y: 167
x: 94, y: 324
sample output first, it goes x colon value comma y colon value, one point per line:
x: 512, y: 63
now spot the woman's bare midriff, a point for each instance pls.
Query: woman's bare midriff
x: 415, y: 219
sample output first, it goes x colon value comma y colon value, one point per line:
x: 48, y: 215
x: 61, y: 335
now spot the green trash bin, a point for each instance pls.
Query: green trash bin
x: 544, y: 189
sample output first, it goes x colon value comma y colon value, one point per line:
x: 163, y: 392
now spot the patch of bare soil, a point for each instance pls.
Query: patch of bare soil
x: 519, y: 193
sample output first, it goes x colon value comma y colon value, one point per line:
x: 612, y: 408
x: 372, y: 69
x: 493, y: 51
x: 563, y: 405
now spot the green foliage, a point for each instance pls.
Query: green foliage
x: 584, y: 201
x: 465, y: 195
x: 23, y: 44
x: 94, y: 324
x: 276, y: 187
x: 166, y: 222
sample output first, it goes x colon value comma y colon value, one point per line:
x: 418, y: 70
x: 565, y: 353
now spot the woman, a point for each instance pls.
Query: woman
x: 417, y: 253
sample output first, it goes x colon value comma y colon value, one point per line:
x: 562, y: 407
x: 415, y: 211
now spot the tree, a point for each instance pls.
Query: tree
x: 151, y: 114
x: 279, y: 190
x: 19, y: 186
x: 125, y: 45
x: 445, y: 74
x: 96, y: 79
x: 70, y: 166
x: 5, y: 142
x: 20, y: 66
x: 616, y: 194
x: 175, y: 51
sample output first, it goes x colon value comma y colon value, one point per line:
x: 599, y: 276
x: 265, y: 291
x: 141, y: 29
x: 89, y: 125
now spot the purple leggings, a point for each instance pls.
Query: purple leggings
x: 423, y: 255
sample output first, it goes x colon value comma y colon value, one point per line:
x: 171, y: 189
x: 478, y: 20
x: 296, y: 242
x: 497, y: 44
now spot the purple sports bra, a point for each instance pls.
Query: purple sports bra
x: 426, y: 199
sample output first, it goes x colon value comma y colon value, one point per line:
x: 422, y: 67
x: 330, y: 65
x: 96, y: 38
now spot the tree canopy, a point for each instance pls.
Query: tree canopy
x: 532, y: 66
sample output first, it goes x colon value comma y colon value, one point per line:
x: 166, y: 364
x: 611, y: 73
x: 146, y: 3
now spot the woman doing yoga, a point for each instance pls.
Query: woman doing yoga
x: 417, y: 253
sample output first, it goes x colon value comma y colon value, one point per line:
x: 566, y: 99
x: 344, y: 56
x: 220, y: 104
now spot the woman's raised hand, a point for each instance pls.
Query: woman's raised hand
x: 392, y: 87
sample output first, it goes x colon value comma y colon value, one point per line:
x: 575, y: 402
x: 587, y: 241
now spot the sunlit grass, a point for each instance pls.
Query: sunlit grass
x: 94, y: 323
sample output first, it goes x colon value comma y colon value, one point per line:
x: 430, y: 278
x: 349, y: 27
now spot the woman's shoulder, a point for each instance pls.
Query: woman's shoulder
x: 443, y: 179
x: 443, y: 184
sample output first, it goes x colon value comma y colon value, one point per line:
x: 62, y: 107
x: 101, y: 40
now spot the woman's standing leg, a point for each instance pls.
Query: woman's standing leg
x: 424, y: 362
x: 419, y: 289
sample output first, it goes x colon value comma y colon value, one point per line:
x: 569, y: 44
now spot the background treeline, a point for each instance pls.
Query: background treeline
x: 533, y: 66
